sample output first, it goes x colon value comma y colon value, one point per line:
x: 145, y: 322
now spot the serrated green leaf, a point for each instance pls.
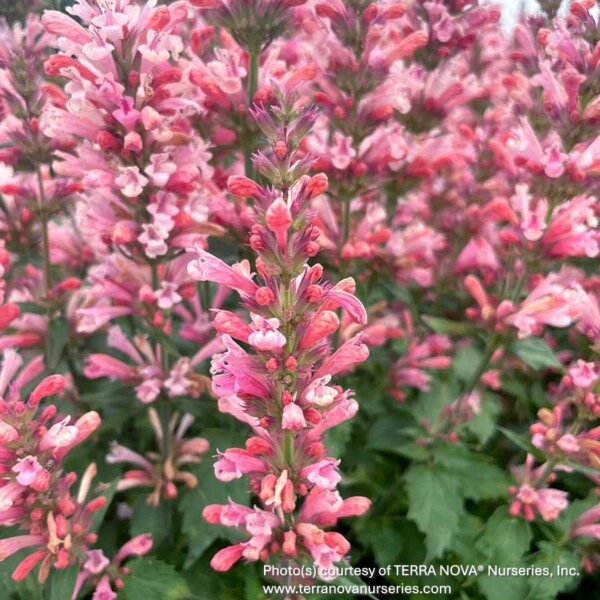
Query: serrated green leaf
x: 435, y: 504
x: 479, y: 478
x: 155, y: 520
x: 150, y: 578
x: 504, y: 539
x: 535, y: 353
x: 552, y: 557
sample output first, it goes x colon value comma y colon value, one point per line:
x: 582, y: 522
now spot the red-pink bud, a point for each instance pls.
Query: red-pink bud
x: 264, y: 296
x: 279, y: 220
x: 322, y: 325
x: 241, y: 186
x: 47, y: 387
x: 226, y: 558
x: 289, y: 543
x: 317, y: 185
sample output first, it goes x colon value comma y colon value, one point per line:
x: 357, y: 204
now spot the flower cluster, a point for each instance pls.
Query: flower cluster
x: 276, y: 373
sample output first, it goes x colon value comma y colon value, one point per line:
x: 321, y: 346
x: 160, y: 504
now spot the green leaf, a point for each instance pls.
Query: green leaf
x: 435, y: 504
x: 521, y: 441
x: 150, y: 578
x: 384, y: 536
x: 155, y: 520
x: 535, y: 353
x: 552, y: 557
x: 440, y: 325
x: 390, y: 432
x: 483, y: 424
x: 30, y: 307
x: 59, y: 333
x: 478, y: 477
x: 62, y: 583
x: 466, y: 362
x: 505, y: 539
x: 109, y: 494
x: 200, y: 535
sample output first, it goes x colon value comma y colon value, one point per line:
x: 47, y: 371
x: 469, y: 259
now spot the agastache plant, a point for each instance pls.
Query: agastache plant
x: 276, y: 373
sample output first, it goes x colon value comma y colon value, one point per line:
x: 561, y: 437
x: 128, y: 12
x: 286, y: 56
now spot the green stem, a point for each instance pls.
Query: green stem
x: 165, y: 403
x: 252, y: 86
x: 288, y: 449
x: 43, y: 216
x: 346, y: 220
x: 482, y: 366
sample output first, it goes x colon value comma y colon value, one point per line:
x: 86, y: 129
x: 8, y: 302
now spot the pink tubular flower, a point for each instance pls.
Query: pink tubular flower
x: 266, y: 335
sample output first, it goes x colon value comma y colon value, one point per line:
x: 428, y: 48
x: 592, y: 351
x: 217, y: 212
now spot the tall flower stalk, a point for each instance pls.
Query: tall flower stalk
x: 276, y: 373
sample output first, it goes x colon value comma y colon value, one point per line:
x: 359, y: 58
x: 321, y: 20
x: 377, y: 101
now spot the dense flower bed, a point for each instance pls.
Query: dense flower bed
x: 295, y: 285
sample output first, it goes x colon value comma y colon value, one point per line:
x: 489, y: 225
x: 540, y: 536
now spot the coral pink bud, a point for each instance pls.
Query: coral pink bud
x: 212, y: 513
x: 47, y: 387
x: 272, y: 365
x: 107, y: 141
x: 291, y: 364
x: 316, y: 449
x: 279, y: 220
x: 256, y: 445
x: 325, y: 11
x: 226, y: 322
x: 69, y: 284
x: 317, y: 185
x: 28, y: 564
x: 57, y: 63
x: 288, y: 498
x: 287, y: 398
x: 315, y: 272
x: 337, y: 541
x: 146, y: 294
x: 354, y: 506
x: 95, y: 504
x: 289, y: 543
x: 243, y: 187
x: 311, y: 249
x: 313, y: 416
x: 280, y: 150
x: 57, y: 23
x: 8, y: 313
x: 314, y: 293
x: 267, y: 487
x: 370, y: 13
x: 322, y: 325
x: 264, y: 296
x: 160, y: 19
x: 42, y: 481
